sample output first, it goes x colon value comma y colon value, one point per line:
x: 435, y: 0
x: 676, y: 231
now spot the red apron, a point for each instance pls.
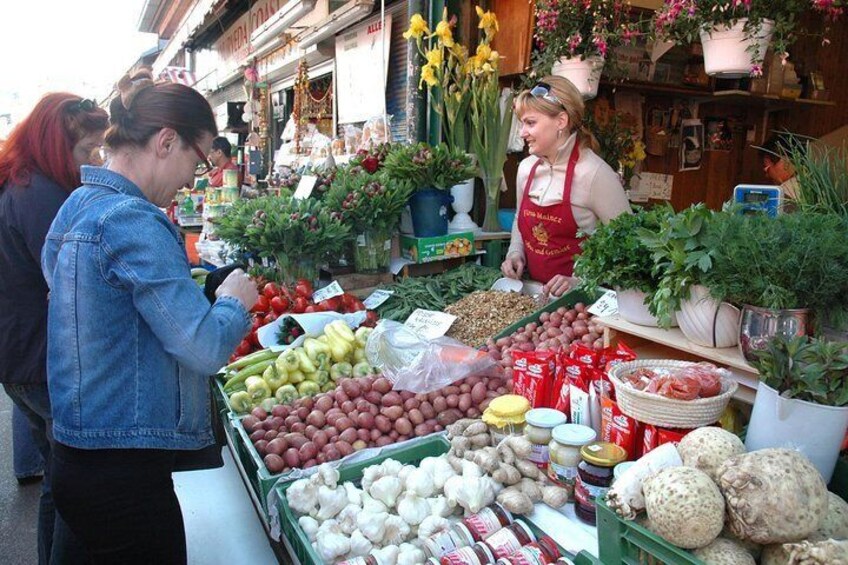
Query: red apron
x: 550, y: 232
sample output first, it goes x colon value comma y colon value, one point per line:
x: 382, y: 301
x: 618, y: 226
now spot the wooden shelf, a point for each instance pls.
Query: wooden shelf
x: 723, y: 96
x: 657, y: 343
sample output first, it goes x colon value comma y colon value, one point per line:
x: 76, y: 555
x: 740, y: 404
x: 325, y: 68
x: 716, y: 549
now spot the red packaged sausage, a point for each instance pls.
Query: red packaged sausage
x: 669, y: 435
x: 649, y: 438
x: 534, y: 373
x: 620, y: 429
x: 612, y: 356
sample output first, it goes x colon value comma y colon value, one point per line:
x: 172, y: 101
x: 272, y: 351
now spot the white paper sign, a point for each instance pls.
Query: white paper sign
x: 607, y: 305
x: 305, y: 186
x: 360, y: 76
x: 377, y: 297
x: 656, y: 185
x: 331, y: 290
x: 429, y: 324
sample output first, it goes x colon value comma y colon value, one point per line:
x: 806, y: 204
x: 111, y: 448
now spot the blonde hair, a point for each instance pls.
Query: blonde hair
x: 572, y: 105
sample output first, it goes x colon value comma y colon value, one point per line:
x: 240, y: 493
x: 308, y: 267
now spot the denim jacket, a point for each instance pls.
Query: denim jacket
x: 131, y: 339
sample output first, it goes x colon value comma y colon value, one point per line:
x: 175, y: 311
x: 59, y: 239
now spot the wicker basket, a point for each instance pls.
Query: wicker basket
x: 657, y: 143
x: 668, y: 412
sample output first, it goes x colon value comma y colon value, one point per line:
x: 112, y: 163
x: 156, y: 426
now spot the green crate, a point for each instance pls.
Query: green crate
x: 260, y: 478
x: 624, y: 541
x: 221, y: 400
x: 568, y: 300
x: 432, y: 446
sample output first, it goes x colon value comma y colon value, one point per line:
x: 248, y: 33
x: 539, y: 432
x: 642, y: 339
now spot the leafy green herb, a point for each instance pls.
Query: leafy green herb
x: 822, y: 175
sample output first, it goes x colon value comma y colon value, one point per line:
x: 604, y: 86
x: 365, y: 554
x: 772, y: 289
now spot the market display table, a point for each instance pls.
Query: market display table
x: 657, y: 343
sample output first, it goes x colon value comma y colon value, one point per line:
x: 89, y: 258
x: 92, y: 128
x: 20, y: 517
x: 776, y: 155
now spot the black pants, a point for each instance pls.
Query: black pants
x: 120, y: 503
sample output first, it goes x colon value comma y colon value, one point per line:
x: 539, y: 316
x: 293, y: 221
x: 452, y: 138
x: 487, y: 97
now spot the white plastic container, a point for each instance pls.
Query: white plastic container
x: 815, y: 430
x: 585, y: 74
x: 726, y: 49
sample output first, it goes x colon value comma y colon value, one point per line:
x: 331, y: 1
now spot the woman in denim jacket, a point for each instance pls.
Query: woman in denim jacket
x: 131, y: 337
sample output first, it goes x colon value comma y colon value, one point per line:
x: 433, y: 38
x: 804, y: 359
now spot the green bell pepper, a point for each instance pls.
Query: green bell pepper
x: 308, y: 388
x: 274, y: 378
x: 240, y: 402
x: 286, y: 394
x: 329, y: 387
x: 316, y: 350
x: 362, y: 369
x: 341, y: 371
x: 268, y: 404
x: 320, y: 377
x: 258, y: 389
x: 362, y: 334
x: 306, y: 364
x: 296, y: 377
x: 358, y: 355
x: 287, y: 361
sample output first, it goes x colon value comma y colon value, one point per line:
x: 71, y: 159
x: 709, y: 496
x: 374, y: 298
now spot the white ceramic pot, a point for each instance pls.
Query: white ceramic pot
x: 632, y: 307
x: 585, y: 74
x: 815, y: 430
x: 729, y: 54
x: 463, y: 201
x: 707, y: 322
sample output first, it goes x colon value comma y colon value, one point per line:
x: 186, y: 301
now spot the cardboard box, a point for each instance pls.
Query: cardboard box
x: 427, y: 249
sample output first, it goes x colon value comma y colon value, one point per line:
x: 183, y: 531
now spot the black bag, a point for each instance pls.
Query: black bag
x: 208, y: 457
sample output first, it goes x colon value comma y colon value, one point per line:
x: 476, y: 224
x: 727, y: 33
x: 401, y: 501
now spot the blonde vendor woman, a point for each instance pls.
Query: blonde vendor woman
x: 564, y: 188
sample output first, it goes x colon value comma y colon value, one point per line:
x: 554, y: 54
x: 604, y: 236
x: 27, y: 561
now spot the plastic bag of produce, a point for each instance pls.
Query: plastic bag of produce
x: 420, y: 365
x: 312, y: 325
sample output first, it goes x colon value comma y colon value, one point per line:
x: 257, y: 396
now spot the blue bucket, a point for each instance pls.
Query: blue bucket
x: 430, y: 212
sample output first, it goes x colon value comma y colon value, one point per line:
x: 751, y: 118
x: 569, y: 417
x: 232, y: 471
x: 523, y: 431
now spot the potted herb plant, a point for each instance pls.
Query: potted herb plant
x: 682, y: 252
x: 431, y: 171
x: 295, y: 235
x: 780, y: 271
x: 736, y: 33
x: 616, y: 257
x: 573, y: 39
x: 802, y: 399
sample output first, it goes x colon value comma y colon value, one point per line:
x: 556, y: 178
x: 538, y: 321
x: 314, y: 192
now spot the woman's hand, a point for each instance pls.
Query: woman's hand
x: 557, y: 285
x: 513, y: 266
x: 239, y: 286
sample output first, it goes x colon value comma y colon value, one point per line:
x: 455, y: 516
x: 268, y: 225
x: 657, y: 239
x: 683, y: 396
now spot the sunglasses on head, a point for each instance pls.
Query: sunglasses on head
x: 84, y: 105
x: 544, y: 91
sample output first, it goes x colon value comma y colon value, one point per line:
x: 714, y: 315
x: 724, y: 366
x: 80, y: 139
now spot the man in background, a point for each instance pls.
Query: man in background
x: 220, y: 157
x: 776, y: 165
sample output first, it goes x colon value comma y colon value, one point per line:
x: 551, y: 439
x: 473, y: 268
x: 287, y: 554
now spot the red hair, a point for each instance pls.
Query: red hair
x: 44, y: 141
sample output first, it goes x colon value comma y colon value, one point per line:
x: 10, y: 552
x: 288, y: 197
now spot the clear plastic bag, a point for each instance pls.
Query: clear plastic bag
x: 312, y: 324
x: 376, y: 131
x: 421, y: 366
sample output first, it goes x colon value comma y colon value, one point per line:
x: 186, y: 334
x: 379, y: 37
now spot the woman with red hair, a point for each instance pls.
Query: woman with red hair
x: 39, y: 168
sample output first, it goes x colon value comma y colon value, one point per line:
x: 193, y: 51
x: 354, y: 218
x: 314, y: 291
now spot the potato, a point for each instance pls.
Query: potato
x: 464, y: 402
x: 365, y: 420
x: 257, y: 435
x: 440, y: 404
x: 259, y: 413
x: 290, y: 421
x: 473, y: 412
x: 359, y: 445
x: 394, y: 435
x: 410, y: 404
x: 448, y: 390
x: 307, y: 402
x: 471, y: 381
x: 348, y: 406
x: 280, y: 411
x: 363, y: 434
x: 316, y: 418
x: 261, y: 447
x: 464, y: 388
x: 383, y: 441
x: 349, y: 435
x: 478, y: 393
x: 307, y: 451
x: 374, y: 397
x: 415, y: 416
x: 351, y: 388
x: 292, y: 458
x: 423, y: 430
x: 270, y: 434
x: 391, y: 399
x: 277, y: 446
x: 274, y: 463
x: 392, y: 412
x: 324, y: 403
x: 299, y: 427
x: 382, y: 385
x: 343, y: 423
x: 344, y: 448
x: 383, y: 423
x: 341, y: 396
x: 302, y: 412
x: 427, y: 410
x: 448, y: 417
x: 403, y: 426
x: 320, y: 439
x: 331, y: 431
x: 310, y: 463
x: 310, y: 431
x: 406, y: 395
x: 375, y: 434
x: 364, y: 384
x: 332, y: 453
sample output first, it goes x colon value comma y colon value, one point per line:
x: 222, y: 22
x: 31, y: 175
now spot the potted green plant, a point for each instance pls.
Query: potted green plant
x: 779, y: 270
x: 296, y: 236
x: 616, y: 257
x: 736, y: 33
x: 573, y: 39
x: 682, y: 252
x: 802, y: 399
x: 821, y: 173
x: 370, y: 204
x: 431, y: 170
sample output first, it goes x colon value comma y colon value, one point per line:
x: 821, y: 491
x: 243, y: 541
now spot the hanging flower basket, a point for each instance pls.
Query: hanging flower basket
x: 733, y: 52
x: 584, y: 74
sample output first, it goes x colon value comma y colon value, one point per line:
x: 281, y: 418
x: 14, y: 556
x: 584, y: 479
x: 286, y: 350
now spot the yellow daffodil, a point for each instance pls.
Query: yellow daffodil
x: 434, y: 57
x: 488, y: 22
x: 417, y: 27
x: 428, y: 75
x: 443, y: 32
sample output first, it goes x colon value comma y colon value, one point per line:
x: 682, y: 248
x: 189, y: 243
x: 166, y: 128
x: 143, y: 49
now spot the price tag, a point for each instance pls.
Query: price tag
x: 265, y: 262
x: 429, y: 324
x: 305, y: 186
x: 360, y: 240
x: 377, y: 297
x: 607, y: 305
x: 329, y: 291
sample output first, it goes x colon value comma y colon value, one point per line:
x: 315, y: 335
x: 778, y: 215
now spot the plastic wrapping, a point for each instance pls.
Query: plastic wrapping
x: 376, y: 131
x: 422, y: 366
x: 352, y: 138
x: 312, y: 324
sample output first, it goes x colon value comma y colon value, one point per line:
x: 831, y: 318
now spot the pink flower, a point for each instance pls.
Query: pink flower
x: 757, y: 71
x: 601, y: 44
x: 574, y: 42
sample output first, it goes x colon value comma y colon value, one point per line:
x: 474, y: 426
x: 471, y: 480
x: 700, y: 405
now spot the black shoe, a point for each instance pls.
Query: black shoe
x: 31, y: 480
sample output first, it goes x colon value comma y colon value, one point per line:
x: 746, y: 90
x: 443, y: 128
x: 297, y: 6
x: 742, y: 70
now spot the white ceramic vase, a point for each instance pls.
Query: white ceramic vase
x: 729, y: 54
x: 463, y: 201
x: 584, y: 74
x: 632, y: 307
x: 707, y: 322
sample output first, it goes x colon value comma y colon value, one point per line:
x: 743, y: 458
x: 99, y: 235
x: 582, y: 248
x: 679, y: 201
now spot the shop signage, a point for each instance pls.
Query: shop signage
x: 233, y: 48
x: 360, y: 77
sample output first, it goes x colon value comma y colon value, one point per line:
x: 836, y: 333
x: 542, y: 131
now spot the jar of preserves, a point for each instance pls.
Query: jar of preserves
x: 510, y: 539
x: 448, y: 540
x: 594, y: 476
x: 564, y: 448
x: 487, y: 521
x: 539, y: 431
x: 542, y: 552
x: 505, y: 416
x: 477, y: 554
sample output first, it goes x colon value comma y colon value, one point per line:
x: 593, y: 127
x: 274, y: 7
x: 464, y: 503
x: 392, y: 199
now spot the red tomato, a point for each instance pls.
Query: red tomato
x: 312, y: 308
x: 244, y: 348
x: 347, y: 299
x: 371, y: 318
x: 269, y: 318
x: 280, y: 304
x: 262, y: 305
x: 333, y: 304
x: 357, y: 305
x: 271, y: 290
x: 303, y: 288
x: 300, y: 305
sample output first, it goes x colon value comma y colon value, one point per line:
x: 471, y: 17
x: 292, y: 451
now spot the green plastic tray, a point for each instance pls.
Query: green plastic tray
x: 624, y: 541
x: 433, y: 446
x: 257, y: 474
x: 568, y: 300
x: 221, y: 400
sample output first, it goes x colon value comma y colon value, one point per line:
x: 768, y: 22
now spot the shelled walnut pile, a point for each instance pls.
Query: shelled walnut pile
x: 485, y: 313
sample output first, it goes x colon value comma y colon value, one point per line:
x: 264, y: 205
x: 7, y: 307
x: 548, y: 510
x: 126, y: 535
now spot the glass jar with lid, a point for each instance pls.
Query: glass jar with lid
x: 594, y: 476
x: 505, y: 416
x: 564, y: 449
x: 540, y: 423
x: 477, y: 554
x: 510, y: 539
x: 542, y: 552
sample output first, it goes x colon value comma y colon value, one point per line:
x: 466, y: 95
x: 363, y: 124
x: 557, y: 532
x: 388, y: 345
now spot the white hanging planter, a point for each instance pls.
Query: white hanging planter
x: 815, y: 430
x: 728, y: 53
x: 632, y: 307
x: 584, y: 74
x: 707, y: 322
